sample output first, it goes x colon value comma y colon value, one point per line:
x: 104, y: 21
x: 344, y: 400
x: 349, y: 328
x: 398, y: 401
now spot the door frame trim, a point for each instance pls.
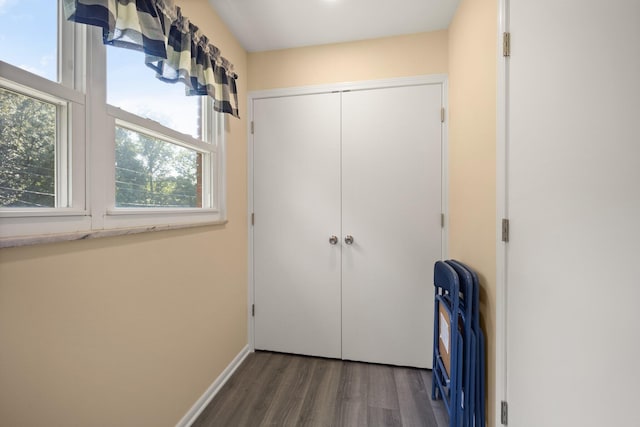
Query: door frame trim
x: 432, y: 79
x: 502, y: 211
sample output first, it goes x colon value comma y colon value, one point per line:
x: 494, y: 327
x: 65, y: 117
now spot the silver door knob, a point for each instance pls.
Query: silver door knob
x: 348, y: 239
x: 333, y: 240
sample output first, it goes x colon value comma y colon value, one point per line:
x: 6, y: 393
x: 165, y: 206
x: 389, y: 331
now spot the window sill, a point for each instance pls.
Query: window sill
x: 11, y: 242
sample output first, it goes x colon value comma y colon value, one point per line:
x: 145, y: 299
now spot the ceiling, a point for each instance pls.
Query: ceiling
x: 262, y: 25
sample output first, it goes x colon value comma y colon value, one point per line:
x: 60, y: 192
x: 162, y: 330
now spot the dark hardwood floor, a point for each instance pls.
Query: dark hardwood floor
x: 275, y: 389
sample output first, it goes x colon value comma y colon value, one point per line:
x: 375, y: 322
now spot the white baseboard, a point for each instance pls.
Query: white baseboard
x: 213, y: 389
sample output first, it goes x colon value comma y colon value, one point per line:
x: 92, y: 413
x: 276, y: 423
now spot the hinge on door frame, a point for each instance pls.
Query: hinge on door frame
x: 253, y: 218
x: 442, y: 115
x: 506, y: 44
x: 504, y: 413
x: 505, y: 230
x: 442, y: 220
x: 253, y: 310
x: 252, y: 127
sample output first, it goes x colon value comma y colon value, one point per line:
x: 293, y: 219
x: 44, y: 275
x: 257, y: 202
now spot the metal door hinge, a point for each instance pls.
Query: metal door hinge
x: 252, y: 127
x: 442, y: 115
x: 442, y: 220
x: 253, y: 219
x: 506, y: 44
x: 505, y: 230
x: 504, y: 413
x: 253, y: 310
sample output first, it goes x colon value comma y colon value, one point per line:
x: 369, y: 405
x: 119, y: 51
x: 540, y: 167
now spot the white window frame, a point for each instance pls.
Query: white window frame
x: 68, y: 95
x: 91, y: 210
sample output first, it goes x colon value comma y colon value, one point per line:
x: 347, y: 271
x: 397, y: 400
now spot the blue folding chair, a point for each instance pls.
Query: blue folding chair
x: 447, y: 385
x: 476, y: 383
x: 466, y: 408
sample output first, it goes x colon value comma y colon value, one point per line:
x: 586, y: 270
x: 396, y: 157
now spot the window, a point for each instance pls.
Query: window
x: 42, y: 118
x: 147, y: 96
x: 164, y: 151
x: 152, y: 172
x: 83, y: 148
x: 29, y: 129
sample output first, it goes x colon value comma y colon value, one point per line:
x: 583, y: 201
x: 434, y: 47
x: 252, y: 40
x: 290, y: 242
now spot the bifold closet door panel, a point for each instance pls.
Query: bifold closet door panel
x: 391, y: 198
x: 297, y: 209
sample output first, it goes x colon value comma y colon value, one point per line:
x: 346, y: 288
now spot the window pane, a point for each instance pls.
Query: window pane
x: 133, y: 86
x: 27, y: 150
x: 28, y: 35
x: 155, y: 174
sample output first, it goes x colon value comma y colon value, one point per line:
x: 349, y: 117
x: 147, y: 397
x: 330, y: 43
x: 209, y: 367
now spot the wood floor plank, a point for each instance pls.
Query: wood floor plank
x: 224, y: 403
x: 437, y: 406
x: 382, y: 388
x: 413, y: 397
x: 243, y: 401
x: 319, y: 403
x: 274, y: 389
x: 351, y: 400
x: 290, y: 394
x: 383, y: 417
x: 259, y: 396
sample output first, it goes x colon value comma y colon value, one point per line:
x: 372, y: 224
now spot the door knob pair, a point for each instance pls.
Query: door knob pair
x: 348, y: 239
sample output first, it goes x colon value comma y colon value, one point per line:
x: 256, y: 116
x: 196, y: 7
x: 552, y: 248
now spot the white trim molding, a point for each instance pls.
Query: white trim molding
x: 347, y: 86
x: 502, y: 134
x: 11, y: 242
x: 197, y: 408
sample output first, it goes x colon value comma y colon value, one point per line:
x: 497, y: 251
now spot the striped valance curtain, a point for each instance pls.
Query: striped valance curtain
x: 173, y: 46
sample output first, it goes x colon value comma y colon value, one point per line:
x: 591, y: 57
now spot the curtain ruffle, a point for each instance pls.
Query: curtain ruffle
x: 174, y: 47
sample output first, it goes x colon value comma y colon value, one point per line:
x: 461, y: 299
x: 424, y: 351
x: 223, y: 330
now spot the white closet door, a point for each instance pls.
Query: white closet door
x: 574, y: 207
x: 297, y: 209
x: 391, y: 206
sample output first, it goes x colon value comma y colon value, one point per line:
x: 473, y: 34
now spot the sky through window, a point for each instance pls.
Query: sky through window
x: 28, y: 36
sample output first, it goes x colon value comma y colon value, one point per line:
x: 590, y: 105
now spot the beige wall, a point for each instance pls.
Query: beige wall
x: 128, y: 331
x: 401, y: 56
x: 472, y: 154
